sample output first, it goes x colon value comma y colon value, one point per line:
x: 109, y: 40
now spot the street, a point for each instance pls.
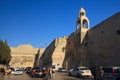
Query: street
x: 58, y: 76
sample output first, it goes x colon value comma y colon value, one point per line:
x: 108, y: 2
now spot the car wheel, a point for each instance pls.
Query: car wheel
x: 69, y: 74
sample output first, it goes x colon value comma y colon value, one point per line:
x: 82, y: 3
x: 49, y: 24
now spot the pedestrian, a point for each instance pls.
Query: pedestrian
x: 94, y: 73
x: 101, y: 73
x: 98, y: 73
x: 52, y: 72
x: 48, y: 74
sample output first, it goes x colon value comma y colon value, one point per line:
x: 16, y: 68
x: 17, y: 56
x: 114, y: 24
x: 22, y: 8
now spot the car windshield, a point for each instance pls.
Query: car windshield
x: 18, y: 70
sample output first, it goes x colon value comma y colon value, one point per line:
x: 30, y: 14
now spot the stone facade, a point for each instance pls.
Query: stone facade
x: 54, y: 54
x: 23, y: 56
x: 104, y: 42
x: 38, y: 56
x: 98, y: 46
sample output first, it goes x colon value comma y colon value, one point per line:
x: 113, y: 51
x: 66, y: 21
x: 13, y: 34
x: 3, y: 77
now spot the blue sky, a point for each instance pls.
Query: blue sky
x: 39, y: 22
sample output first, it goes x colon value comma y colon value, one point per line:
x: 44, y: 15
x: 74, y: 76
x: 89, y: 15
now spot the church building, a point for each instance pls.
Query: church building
x: 98, y: 46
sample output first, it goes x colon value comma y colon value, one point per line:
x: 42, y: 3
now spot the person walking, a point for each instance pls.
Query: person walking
x: 101, y: 73
x: 94, y: 73
x: 48, y: 75
x: 52, y: 72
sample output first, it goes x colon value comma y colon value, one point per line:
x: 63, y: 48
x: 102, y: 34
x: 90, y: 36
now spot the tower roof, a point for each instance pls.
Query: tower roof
x: 82, y: 10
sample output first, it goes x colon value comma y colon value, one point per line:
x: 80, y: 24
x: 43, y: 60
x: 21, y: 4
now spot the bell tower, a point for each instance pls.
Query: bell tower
x: 82, y: 25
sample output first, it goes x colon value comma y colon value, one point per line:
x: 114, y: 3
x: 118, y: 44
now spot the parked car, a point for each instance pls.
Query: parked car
x: 2, y: 70
x: 62, y: 70
x: 28, y: 69
x: 37, y: 72
x: 6, y: 71
x: 111, y: 72
x: 69, y: 72
x: 80, y: 72
x: 11, y: 69
x: 17, y: 71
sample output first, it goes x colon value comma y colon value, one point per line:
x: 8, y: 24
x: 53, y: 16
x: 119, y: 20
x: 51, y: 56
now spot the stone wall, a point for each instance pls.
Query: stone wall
x: 69, y: 54
x: 38, y: 56
x: 54, y: 54
x: 23, y: 56
x: 104, y: 42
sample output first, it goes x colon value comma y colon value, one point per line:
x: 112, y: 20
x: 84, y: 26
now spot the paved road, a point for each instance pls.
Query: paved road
x: 64, y: 76
x: 18, y: 77
x: 58, y: 76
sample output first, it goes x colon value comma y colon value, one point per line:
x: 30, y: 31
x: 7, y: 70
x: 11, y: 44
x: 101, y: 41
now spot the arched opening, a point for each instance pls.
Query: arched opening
x: 85, y: 24
x: 78, y: 25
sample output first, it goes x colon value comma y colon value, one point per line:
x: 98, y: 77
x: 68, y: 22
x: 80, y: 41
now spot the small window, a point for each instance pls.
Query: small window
x: 118, y: 32
x: 63, y: 49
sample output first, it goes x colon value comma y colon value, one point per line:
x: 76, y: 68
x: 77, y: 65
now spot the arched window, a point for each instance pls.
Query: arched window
x: 79, y: 26
x: 85, y: 24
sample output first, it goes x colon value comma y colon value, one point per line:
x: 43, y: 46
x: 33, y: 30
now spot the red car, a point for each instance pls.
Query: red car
x: 37, y: 72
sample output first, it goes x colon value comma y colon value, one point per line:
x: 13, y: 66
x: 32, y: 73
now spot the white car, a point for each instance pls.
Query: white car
x: 81, y: 72
x: 17, y: 71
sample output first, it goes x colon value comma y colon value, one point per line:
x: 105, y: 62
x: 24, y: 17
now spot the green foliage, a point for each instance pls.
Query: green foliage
x: 5, y: 55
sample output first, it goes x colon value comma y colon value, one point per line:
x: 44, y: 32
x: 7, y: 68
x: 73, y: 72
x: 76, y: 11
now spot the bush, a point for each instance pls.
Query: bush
x: 5, y: 55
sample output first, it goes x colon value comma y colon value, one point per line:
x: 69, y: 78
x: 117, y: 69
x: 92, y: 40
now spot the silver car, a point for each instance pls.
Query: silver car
x: 17, y: 71
x: 80, y: 72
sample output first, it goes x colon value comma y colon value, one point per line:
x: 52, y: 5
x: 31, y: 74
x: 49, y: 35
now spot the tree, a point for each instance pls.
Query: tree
x: 5, y: 55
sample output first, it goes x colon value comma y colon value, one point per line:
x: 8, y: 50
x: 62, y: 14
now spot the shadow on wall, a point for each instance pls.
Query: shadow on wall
x: 36, y: 60
x: 46, y: 58
x: 76, y: 52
